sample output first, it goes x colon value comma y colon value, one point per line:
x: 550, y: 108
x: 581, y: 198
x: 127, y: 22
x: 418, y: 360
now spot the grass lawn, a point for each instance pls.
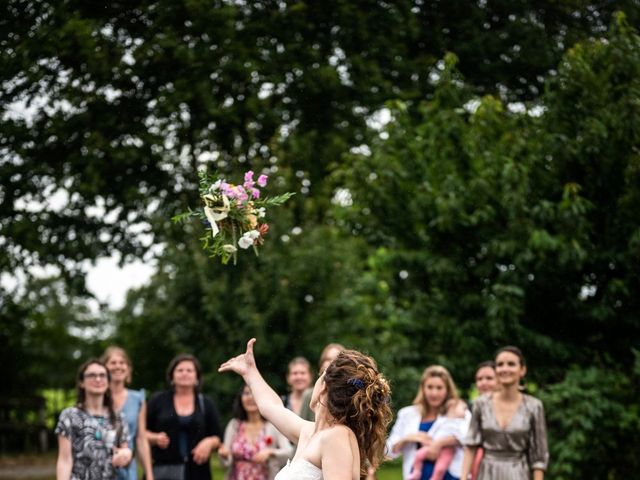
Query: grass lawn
x: 42, y: 467
x: 388, y: 471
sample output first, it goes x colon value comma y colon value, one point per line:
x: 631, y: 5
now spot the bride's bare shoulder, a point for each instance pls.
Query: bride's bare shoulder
x: 340, y: 454
x: 338, y: 434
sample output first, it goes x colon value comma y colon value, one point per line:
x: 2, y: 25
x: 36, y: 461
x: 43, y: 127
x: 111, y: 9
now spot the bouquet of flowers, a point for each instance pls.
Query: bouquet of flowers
x: 235, y: 214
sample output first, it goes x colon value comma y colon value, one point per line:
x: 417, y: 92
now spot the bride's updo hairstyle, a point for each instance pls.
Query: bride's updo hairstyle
x: 359, y: 397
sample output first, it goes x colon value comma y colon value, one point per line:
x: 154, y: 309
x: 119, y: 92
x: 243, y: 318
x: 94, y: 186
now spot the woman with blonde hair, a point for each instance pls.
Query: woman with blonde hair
x: 413, y: 423
x: 351, y: 404
x: 133, y: 407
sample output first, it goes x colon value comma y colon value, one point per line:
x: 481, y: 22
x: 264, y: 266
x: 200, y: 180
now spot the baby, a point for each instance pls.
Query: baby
x: 444, y: 426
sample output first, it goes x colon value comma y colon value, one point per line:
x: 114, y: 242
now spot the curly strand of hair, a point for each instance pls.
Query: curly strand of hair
x: 366, y: 411
x: 371, y: 411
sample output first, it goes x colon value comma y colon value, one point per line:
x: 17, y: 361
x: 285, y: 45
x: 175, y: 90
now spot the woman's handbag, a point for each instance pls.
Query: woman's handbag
x: 170, y: 471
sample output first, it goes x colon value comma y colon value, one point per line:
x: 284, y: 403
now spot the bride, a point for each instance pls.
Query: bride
x: 351, y: 405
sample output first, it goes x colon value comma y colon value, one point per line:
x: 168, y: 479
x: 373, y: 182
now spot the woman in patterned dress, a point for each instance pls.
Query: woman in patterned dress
x: 509, y: 425
x: 92, y: 438
x: 253, y: 449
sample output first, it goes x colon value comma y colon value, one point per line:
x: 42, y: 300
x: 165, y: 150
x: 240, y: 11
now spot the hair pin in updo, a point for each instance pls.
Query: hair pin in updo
x: 356, y: 382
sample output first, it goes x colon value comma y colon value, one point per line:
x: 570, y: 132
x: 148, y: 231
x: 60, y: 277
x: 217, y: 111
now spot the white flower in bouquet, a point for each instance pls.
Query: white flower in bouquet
x: 229, y: 248
x: 245, y: 242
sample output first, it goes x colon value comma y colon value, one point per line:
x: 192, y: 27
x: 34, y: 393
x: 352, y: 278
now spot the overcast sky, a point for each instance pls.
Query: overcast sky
x: 110, y: 283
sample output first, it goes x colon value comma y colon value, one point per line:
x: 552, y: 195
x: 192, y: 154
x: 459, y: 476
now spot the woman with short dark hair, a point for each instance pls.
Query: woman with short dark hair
x: 183, y: 425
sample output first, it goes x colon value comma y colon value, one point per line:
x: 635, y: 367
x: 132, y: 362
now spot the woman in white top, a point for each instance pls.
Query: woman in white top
x: 413, y: 425
x: 351, y: 405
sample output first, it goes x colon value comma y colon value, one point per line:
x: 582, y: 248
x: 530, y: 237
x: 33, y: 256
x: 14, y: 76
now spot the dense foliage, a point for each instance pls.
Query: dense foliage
x: 497, y: 205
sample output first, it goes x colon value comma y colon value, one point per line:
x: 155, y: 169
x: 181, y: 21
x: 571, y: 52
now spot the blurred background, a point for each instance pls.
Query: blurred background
x: 467, y: 175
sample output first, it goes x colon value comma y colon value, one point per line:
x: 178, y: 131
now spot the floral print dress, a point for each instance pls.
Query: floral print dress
x: 243, y: 449
x: 92, y: 440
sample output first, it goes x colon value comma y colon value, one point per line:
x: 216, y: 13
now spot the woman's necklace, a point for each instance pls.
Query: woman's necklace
x: 99, y: 421
x: 104, y: 432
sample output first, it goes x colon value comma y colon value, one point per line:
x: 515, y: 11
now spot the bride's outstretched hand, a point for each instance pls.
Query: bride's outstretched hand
x: 241, y: 364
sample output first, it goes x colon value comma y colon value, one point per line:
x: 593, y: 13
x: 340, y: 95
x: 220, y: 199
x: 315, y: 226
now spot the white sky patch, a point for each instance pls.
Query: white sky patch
x: 266, y: 90
x: 587, y: 291
x: 472, y: 105
x: 342, y: 197
x: 53, y: 202
x: 19, y: 110
x: 361, y: 150
x: 110, y: 282
x: 379, y: 119
x: 537, y: 111
x: 517, y: 107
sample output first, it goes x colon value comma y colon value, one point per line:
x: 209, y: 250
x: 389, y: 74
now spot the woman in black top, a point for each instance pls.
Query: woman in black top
x: 183, y: 426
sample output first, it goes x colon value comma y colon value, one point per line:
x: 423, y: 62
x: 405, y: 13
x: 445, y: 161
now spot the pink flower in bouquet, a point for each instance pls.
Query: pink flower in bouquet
x: 263, y: 229
x: 236, y: 192
x: 249, y: 183
x: 262, y: 180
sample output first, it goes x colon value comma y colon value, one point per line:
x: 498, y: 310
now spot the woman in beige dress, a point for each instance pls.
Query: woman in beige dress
x: 509, y: 425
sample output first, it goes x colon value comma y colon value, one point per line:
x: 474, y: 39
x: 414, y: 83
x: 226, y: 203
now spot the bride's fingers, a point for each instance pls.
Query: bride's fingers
x: 250, y: 345
x: 229, y: 364
x: 226, y: 365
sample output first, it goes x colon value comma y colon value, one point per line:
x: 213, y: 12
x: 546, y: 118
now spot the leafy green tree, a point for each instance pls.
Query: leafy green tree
x: 46, y: 332
x: 489, y: 227
x: 590, y: 414
x: 126, y: 100
x: 505, y: 227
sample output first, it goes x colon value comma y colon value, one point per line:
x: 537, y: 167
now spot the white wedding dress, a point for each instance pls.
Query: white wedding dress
x: 299, y: 469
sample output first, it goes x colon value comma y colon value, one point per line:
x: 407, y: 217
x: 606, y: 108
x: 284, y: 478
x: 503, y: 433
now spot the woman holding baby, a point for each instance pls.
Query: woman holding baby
x: 431, y: 430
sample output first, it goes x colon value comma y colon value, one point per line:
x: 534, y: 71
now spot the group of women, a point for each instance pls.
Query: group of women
x: 503, y: 439
x: 343, y: 433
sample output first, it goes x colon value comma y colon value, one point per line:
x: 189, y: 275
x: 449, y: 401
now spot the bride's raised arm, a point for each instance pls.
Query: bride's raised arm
x: 268, y: 401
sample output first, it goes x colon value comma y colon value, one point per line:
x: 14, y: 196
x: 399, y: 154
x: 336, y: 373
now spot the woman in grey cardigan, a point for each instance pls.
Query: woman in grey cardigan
x: 253, y: 448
